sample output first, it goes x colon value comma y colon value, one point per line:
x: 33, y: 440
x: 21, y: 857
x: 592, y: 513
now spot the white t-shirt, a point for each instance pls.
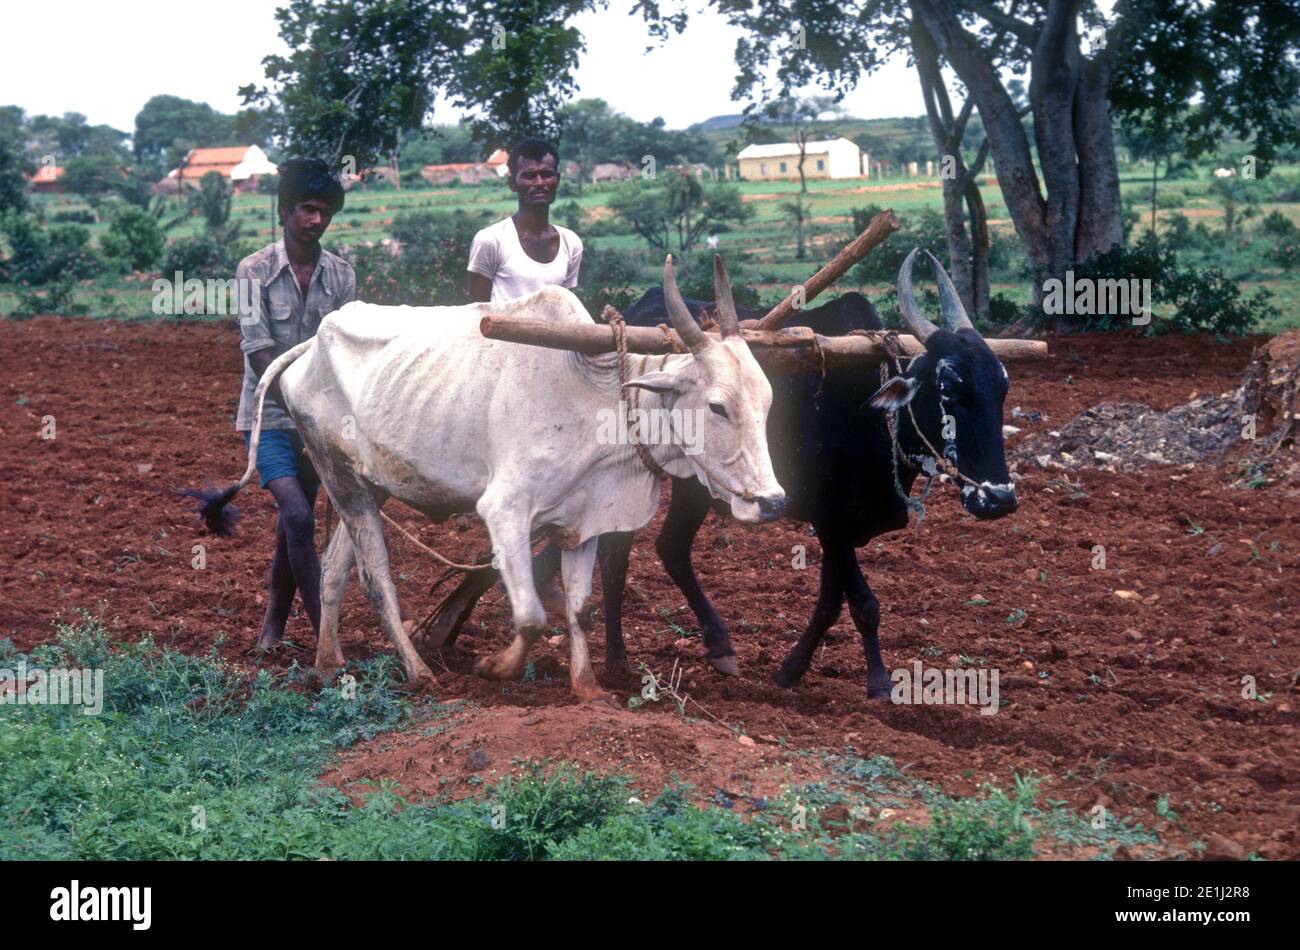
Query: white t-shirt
x: 497, y: 254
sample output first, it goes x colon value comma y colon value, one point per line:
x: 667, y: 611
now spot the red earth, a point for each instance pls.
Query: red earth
x: 1121, y: 699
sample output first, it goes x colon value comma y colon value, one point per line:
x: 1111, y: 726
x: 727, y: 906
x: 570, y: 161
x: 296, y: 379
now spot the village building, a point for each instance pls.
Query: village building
x: 241, y: 165
x: 836, y: 158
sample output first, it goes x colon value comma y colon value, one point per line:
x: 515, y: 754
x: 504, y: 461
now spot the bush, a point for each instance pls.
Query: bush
x: 1203, y: 298
x: 610, y: 276
x: 428, y: 268
x: 205, y: 256
x: 925, y: 230
x: 38, y: 257
x: 134, y: 238
x: 75, y: 216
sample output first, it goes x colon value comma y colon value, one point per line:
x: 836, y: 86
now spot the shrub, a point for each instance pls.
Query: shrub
x: 40, y: 256
x: 611, y: 276
x: 925, y: 230
x: 134, y: 238
x: 74, y: 216
x: 205, y: 256
x: 428, y: 268
x: 1203, y: 298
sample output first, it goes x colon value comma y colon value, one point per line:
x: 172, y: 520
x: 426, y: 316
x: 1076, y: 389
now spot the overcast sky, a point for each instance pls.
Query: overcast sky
x: 106, y: 59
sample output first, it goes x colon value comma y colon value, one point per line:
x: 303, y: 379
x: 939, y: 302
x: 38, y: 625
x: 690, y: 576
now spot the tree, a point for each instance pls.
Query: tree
x: 168, y: 126
x: 365, y: 72
x: 797, y: 212
x: 1066, y: 205
x: 94, y: 177
x: 681, y: 208
x: 14, y: 164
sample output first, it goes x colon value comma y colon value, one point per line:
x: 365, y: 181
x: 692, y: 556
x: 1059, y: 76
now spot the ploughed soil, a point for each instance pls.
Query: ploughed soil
x: 1121, y: 685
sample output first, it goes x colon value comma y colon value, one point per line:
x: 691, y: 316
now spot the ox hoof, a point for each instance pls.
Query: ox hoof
x: 597, y: 697
x: 497, y: 667
x: 783, y: 679
x: 726, y: 665
x: 419, y: 677
x: 883, y: 690
x: 618, y: 665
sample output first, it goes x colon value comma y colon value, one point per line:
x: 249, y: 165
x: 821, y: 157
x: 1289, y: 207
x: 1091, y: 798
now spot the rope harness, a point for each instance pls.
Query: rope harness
x: 619, y: 326
x: 929, y: 465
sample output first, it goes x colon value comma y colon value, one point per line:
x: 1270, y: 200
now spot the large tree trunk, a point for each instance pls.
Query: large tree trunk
x: 967, y: 253
x: 1100, y: 219
x: 1080, y: 214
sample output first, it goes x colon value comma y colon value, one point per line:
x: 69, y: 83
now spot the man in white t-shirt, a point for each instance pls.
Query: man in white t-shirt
x: 525, y: 252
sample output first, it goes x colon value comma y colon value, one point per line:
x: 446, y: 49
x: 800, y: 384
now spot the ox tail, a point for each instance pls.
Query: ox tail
x: 213, y: 502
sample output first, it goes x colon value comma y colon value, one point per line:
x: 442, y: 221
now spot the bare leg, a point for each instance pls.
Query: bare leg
x: 280, y: 594
x: 297, y: 525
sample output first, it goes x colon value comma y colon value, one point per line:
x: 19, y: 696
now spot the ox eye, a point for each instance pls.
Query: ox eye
x: 718, y: 409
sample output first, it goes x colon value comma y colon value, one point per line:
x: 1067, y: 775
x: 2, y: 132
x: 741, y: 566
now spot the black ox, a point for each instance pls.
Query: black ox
x: 833, y: 454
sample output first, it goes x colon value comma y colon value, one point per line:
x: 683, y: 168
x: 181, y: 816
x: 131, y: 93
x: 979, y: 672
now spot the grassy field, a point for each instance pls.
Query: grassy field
x: 767, y: 242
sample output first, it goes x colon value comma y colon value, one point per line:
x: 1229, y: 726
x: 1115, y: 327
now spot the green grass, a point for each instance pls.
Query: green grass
x: 185, y: 738
x: 766, y: 244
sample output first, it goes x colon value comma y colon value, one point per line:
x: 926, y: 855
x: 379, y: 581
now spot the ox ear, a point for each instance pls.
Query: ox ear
x: 658, y: 383
x: 895, y: 394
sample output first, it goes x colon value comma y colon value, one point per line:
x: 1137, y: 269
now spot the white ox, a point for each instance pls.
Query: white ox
x: 414, y: 403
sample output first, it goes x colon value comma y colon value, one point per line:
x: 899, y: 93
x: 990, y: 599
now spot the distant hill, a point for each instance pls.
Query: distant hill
x: 717, y: 122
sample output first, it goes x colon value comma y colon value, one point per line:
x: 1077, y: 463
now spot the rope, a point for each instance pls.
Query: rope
x: 430, y: 551
x: 619, y: 325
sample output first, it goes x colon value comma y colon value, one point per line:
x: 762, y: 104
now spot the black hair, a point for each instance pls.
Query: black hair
x: 533, y: 148
x: 304, y: 178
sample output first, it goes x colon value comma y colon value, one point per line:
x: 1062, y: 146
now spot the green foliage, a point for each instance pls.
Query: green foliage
x: 43, y: 255
x: 676, y: 212
x: 925, y: 230
x: 134, y: 237
x: 610, y: 276
x: 429, y: 266
x: 1202, y: 298
x: 169, y: 126
x: 204, y: 256
x: 994, y: 828
x: 14, y: 164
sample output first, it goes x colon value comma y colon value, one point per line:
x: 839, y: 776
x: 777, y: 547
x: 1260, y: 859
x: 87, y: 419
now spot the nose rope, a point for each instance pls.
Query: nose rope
x: 932, y: 464
x: 619, y: 326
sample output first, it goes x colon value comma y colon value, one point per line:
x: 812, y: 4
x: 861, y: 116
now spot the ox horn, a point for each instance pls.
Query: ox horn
x: 728, y: 321
x: 915, y: 320
x: 954, y: 314
x: 687, y: 329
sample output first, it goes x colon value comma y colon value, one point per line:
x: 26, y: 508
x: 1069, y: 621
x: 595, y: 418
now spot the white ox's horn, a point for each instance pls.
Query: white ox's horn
x: 687, y: 329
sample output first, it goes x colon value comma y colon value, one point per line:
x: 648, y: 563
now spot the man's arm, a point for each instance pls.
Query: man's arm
x: 480, y: 288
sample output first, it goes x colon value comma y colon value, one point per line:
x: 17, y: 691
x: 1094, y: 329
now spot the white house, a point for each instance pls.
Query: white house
x: 836, y: 158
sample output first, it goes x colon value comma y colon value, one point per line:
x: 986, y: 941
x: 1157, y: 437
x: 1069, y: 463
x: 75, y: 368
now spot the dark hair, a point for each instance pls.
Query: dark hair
x: 533, y: 148
x: 304, y: 178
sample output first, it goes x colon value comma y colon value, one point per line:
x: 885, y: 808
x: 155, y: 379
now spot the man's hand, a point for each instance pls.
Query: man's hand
x: 259, y: 360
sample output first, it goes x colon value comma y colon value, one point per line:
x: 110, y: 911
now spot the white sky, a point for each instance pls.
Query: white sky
x: 105, y: 59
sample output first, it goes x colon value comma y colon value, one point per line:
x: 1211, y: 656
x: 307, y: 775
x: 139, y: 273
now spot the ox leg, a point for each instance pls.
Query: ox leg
x: 686, y: 512
x: 335, y: 571
x: 576, y: 566
x: 829, y: 600
x: 865, y: 611
x: 359, y: 512
x: 613, y: 551
x: 509, y: 531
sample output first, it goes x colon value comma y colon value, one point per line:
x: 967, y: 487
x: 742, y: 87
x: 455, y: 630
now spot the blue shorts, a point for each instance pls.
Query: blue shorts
x: 280, y: 453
